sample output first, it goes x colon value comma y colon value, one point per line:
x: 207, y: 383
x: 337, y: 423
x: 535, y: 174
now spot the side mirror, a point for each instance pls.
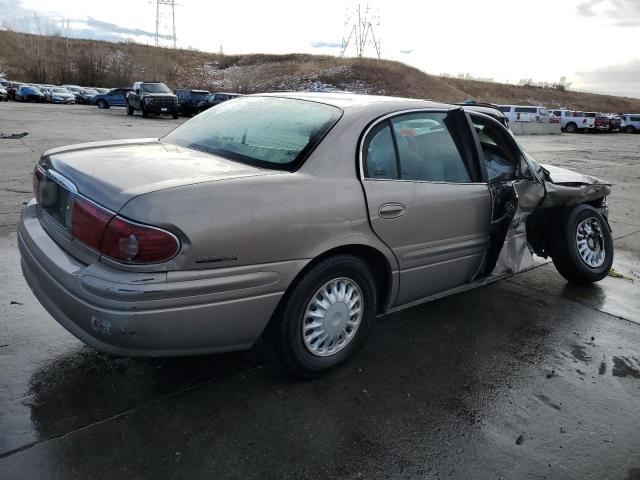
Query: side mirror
x: 137, y: 91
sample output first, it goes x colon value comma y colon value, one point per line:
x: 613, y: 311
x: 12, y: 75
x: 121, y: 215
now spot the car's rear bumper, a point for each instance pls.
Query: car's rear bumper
x: 157, y: 314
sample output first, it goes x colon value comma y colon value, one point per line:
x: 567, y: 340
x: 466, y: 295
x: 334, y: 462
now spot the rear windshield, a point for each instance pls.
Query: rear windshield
x: 199, y: 95
x: 270, y: 132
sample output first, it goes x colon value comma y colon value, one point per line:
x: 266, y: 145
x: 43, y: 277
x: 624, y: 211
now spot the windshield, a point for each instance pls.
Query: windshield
x: 268, y: 132
x: 90, y: 91
x: 154, y: 88
x: 59, y: 90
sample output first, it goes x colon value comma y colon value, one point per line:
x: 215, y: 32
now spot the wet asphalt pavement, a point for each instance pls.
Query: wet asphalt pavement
x: 525, y: 378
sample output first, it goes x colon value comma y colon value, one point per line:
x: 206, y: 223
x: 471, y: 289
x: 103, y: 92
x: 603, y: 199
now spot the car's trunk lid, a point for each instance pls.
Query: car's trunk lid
x: 112, y: 173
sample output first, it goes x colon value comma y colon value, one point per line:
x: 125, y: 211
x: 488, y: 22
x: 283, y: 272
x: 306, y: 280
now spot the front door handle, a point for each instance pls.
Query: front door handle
x: 392, y: 210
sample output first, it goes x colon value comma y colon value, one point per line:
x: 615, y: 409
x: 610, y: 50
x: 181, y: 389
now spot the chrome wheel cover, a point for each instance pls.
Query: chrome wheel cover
x: 590, y: 242
x: 332, y: 317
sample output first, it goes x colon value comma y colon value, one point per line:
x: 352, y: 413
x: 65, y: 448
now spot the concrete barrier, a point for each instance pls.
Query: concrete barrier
x: 534, y: 128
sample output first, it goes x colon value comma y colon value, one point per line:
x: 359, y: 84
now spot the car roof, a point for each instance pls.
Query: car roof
x: 346, y: 100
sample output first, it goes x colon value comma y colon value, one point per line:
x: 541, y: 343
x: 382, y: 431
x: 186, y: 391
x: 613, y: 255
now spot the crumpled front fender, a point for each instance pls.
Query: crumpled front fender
x: 567, y: 188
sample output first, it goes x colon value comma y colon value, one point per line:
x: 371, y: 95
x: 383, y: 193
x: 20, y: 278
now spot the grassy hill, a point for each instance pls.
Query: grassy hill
x: 58, y: 60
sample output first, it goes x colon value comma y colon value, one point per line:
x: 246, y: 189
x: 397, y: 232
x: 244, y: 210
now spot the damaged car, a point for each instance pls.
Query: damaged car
x: 301, y: 216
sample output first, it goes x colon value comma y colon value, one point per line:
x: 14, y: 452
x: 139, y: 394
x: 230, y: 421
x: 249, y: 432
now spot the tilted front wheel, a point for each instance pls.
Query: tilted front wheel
x: 326, y: 316
x: 584, y: 253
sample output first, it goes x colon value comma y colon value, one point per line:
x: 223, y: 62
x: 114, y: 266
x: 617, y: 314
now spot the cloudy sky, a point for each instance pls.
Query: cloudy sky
x: 594, y: 43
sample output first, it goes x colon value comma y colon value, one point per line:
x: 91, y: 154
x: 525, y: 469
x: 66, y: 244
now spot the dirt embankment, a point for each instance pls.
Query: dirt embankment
x: 58, y: 60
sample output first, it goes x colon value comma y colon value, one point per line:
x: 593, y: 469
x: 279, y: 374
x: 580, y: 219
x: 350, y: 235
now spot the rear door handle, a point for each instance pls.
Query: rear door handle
x: 392, y: 210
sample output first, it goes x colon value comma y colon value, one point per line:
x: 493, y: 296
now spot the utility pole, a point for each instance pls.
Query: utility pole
x: 159, y: 14
x: 361, y: 30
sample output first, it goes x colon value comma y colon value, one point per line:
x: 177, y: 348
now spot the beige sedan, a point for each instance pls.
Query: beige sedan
x: 311, y: 213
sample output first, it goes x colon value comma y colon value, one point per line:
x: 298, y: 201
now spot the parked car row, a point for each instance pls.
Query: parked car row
x: 155, y: 98
x: 573, y: 121
x: 47, y: 93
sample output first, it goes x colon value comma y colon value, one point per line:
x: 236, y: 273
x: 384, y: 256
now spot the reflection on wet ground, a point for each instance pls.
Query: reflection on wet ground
x: 507, y: 385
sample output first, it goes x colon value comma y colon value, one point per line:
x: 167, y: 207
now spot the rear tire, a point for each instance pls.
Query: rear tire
x: 175, y: 116
x: 630, y: 129
x: 584, y: 250
x: 102, y: 104
x: 145, y: 114
x: 571, y: 128
x: 299, y: 344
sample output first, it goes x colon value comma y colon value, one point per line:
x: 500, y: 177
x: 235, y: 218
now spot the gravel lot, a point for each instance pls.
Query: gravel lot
x: 525, y: 378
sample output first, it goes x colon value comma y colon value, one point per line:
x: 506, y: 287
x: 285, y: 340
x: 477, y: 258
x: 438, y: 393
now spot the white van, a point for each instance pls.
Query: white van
x: 525, y: 113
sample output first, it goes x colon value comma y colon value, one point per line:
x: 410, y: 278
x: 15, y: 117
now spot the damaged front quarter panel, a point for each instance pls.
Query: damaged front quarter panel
x: 567, y: 189
x: 537, y: 203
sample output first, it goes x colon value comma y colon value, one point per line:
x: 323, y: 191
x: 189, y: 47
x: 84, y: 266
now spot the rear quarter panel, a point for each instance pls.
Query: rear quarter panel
x: 257, y: 220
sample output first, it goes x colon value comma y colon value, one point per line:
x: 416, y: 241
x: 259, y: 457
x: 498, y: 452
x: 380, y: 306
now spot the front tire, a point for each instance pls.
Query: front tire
x: 571, y: 128
x: 326, y: 317
x: 129, y: 110
x: 102, y: 104
x: 584, y: 251
x: 630, y: 129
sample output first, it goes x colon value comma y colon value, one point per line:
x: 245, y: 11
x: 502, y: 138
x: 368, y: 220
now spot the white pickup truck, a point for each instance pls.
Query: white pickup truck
x: 573, y: 122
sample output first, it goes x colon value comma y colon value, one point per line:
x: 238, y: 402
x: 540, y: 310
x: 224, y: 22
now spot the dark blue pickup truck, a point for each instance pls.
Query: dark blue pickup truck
x: 188, y: 100
x: 114, y: 98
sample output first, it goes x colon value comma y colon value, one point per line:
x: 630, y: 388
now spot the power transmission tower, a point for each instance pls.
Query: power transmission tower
x: 159, y: 14
x: 360, y: 31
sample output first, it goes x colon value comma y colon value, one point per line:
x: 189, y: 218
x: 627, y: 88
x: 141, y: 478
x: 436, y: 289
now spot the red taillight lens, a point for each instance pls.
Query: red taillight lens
x: 134, y: 243
x: 89, y: 221
x: 118, y: 238
x: 38, y: 175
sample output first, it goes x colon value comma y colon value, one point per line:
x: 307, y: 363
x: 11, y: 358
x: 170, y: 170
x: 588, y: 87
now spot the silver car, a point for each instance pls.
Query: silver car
x: 309, y: 213
x: 58, y: 95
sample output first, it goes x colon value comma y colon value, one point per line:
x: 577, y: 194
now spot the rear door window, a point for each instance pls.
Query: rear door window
x: 429, y: 148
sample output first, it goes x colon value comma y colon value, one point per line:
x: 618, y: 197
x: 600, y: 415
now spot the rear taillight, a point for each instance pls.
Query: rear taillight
x: 130, y: 242
x: 38, y: 175
x: 118, y: 238
x: 89, y: 221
